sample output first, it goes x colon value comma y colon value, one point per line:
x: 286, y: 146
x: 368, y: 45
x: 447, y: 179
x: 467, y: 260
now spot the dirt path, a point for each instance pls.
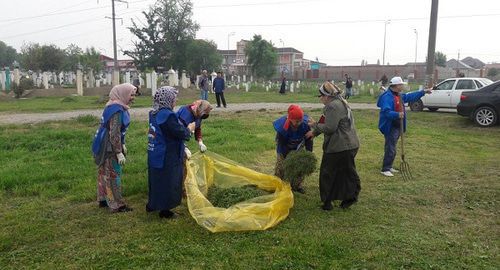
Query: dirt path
x: 142, y: 113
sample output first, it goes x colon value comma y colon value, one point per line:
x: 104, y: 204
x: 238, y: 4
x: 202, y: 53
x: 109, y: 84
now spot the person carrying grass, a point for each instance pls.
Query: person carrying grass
x: 292, y: 132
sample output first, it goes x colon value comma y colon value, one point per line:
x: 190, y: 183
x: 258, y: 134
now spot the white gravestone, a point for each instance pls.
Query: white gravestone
x: 79, y: 82
x: 154, y: 82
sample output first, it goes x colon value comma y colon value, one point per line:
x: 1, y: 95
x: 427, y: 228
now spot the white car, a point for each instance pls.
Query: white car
x: 447, y: 93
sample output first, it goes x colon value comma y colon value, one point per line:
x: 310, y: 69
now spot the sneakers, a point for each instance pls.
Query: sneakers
x: 394, y: 170
x: 387, y: 173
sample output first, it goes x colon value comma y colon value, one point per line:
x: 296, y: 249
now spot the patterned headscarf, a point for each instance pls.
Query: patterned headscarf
x: 201, y: 107
x: 164, y: 98
x: 120, y: 94
x: 331, y: 90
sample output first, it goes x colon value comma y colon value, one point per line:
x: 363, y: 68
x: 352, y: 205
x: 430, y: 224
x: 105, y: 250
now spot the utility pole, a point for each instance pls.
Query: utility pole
x: 431, y: 48
x: 116, y: 69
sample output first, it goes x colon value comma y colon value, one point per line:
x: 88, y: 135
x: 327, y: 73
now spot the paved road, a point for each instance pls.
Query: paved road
x: 142, y: 113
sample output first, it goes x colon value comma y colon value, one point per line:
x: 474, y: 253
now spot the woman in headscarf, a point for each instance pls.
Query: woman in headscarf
x: 166, y: 138
x: 292, y: 133
x: 109, y: 148
x: 338, y: 179
x: 195, y: 112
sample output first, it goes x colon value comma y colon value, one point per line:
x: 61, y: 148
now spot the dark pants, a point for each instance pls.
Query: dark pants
x: 218, y: 97
x: 338, y: 178
x: 391, y: 141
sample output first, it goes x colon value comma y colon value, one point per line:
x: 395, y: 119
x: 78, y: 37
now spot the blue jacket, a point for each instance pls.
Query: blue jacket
x: 165, y: 139
x: 186, y: 117
x: 287, y: 140
x: 108, y: 112
x: 218, y: 85
x: 388, y: 113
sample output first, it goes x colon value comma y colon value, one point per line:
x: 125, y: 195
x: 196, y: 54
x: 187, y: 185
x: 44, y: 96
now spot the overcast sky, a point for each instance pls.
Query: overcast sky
x: 337, y: 32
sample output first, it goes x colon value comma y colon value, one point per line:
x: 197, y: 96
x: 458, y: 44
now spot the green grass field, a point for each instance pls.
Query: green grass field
x: 446, y: 218
x: 258, y: 94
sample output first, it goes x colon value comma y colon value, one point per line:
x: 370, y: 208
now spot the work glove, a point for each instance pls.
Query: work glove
x: 124, y: 149
x: 187, y: 152
x: 121, y: 158
x: 203, y: 147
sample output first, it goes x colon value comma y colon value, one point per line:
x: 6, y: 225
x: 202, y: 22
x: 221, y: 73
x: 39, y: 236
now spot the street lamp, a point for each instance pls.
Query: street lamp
x: 385, y: 32
x: 416, y: 44
x: 282, y: 43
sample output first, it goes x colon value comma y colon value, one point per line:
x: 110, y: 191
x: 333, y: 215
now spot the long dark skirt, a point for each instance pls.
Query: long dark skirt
x: 165, y: 187
x: 338, y: 179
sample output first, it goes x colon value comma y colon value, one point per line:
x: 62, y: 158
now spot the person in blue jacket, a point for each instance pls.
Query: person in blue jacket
x: 292, y: 132
x: 392, y: 109
x: 195, y: 112
x: 219, y: 87
x: 109, y: 149
x: 166, y: 138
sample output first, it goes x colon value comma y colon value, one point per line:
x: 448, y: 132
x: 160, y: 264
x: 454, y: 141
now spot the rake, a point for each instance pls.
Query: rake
x: 405, y: 167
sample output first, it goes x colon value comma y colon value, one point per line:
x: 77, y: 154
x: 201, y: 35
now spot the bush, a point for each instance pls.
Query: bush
x: 227, y: 197
x: 68, y: 99
x: 24, y: 84
x: 492, y: 72
x: 299, y: 164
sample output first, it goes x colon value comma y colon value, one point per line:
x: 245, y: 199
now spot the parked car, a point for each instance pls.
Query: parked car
x: 482, y: 106
x: 447, y: 93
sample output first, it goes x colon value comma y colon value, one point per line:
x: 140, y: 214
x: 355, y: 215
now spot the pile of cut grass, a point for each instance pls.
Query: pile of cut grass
x: 227, y: 197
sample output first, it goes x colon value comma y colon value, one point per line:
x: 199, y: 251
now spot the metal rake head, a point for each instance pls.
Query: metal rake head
x: 405, y: 170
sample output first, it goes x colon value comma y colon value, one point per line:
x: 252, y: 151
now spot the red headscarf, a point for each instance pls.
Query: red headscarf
x: 294, y: 113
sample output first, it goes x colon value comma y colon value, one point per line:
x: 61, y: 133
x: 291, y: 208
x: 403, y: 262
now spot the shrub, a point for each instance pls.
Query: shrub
x: 24, y: 84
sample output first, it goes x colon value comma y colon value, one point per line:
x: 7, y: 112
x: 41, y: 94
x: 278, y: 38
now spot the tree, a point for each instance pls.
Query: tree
x: 44, y: 58
x: 162, y: 40
x: 492, y: 72
x: 90, y: 60
x: 261, y: 57
x: 72, y: 57
x: 202, y: 54
x: 7, y: 54
x: 440, y: 59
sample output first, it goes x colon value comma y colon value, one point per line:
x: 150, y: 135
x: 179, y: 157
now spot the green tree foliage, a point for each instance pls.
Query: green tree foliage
x: 7, y: 54
x: 440, y: 59
x: 201, y: 54
x: 90, y: 60
x: 44, y: 58
x: 73, y: 53
x: 261, y: 57
x: 492, y: 72
x: 161, y: 41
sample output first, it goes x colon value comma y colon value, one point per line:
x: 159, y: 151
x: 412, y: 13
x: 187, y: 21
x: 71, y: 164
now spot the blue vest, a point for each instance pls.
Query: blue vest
x: 108, y: 112
x: 156, y: 139
x: 294, y: 137
x: 186, y: 117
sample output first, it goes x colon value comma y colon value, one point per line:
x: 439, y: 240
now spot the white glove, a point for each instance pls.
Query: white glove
x: 187, y: 152
x: 203, y: 147
x: 124, y: 149
x: 121, y: 158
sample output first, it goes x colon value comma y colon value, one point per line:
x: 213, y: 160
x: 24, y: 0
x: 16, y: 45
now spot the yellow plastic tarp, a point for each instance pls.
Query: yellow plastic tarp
x: 260, y: 213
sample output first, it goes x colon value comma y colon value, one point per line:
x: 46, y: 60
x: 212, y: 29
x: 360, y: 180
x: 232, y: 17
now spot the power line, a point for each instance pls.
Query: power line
x: 65, y: 12
x: 347, y: 21
x: 61, y: 26
x: 258, y: 4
